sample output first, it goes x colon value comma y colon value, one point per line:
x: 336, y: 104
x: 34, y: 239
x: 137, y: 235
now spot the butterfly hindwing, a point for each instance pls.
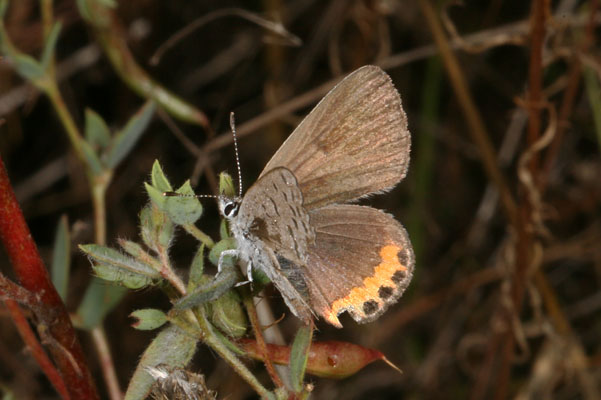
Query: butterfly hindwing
x: 361, y: 262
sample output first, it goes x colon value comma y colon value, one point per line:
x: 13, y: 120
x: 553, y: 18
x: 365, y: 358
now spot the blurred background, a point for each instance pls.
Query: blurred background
x: 502, y: 198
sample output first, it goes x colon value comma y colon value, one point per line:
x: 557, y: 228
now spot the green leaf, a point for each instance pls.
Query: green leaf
x: 196, y: 277
x: 3, y: 8
x: 211, y: 290
x: 61, y: 258
x: 97, y: 133
x: 125, y: 140
x: 222, y: 245
x: 92, y: 159
x: 108, y: 3
x: 156, y: 228
x: 50, y: 46
x: 122, y: 277
x: 84, y: 9
x: 226, y: 185
x: 172, y: 347
x: 259, y: 277
x: 132, y: 248
x: 28, y: 67
x: 183, y: 210
x: 97, y: 302
x: 224, y: 232
x: 156, y: 196
x: 106, y: 255
x: 299, y: 354
x: 148, y: 319
x: 158, y: 178
x: 228, y: 315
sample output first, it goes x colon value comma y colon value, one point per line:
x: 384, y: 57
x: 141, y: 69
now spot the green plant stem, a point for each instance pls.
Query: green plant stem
x: 106, y: 363
x: 99, y: 185
x: 47, y: 17
x: 593, y: 91
x: 65, y: 117
x: 212, y: 340
x: 168, y: 273
x: 199, y: 235
x: 111, y: 37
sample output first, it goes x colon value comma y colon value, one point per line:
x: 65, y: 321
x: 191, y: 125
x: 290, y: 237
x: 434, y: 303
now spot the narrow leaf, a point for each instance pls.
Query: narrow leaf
x: 108, y: 3
x: 226, y: 185
x: 156, y: 195
x: 156, y: 228
x: 97, y: 133
x: 3, y: 7
x: 97, y: 302
x: 28, y: 67
x: 171, y: 347
x: 50, y: 45
x: 123, y: 277
x: 158, y: 178
x: 148, y: 319
x: 209, y: 291
x: 106, y: 255
x: 224, y: 232
x: 299, y: 354
x: 61, y: 258
x: 125, y: 140
x: 92, y: 160
x: 196, y: 277
x: 84, y: 9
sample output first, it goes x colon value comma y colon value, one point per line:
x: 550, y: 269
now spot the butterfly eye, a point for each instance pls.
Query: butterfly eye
x: 230, y: 210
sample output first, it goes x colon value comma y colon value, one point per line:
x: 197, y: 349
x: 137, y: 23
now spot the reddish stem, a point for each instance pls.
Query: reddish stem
x: 36, y: 349
x: 50, y: 310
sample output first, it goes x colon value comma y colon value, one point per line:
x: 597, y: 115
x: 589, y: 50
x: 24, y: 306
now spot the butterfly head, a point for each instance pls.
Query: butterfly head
x: 229, y: 206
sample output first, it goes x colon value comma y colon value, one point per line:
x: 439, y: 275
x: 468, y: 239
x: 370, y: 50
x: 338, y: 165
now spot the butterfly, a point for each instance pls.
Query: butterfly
x: 325, y: 256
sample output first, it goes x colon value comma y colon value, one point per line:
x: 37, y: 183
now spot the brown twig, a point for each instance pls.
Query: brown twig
x: 36, y: 348
x: 258, y: 332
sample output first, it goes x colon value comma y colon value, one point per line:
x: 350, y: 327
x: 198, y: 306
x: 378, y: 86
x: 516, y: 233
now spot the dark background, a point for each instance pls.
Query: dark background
x: 444, y: 333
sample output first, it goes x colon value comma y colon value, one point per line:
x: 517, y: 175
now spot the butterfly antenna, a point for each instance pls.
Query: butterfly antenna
x: 233, y: 128
x: 197, y: 196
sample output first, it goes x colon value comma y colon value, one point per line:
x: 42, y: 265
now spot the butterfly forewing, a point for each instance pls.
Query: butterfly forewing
x: 354, y: 142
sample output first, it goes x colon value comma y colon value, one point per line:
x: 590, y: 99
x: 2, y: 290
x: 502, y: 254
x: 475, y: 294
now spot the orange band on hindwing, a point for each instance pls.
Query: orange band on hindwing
x: 365, y: 301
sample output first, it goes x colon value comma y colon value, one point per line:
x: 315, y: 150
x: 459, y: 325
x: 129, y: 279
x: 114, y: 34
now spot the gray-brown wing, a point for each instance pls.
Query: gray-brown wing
x: 361, y: 262
x: 354, y: 142
x: 272, y: 210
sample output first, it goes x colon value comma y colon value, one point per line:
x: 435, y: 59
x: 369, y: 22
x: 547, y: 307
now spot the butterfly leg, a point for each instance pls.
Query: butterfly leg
x: 224, y: 253
x: 249, y: 275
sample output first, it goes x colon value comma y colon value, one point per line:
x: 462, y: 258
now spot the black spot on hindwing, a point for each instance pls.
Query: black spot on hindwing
x: 385, y: 292
x: 370, y: 307
x: 398, y: 277
x: 402, y: 255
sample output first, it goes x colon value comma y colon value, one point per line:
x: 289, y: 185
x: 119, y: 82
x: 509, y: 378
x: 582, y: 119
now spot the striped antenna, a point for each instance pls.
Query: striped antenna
x: 175, y: 194
x: 212, y: 196
x: 233, y: 128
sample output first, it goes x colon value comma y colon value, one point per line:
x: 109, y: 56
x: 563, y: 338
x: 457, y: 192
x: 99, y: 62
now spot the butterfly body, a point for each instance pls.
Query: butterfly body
x: 326, y: 257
